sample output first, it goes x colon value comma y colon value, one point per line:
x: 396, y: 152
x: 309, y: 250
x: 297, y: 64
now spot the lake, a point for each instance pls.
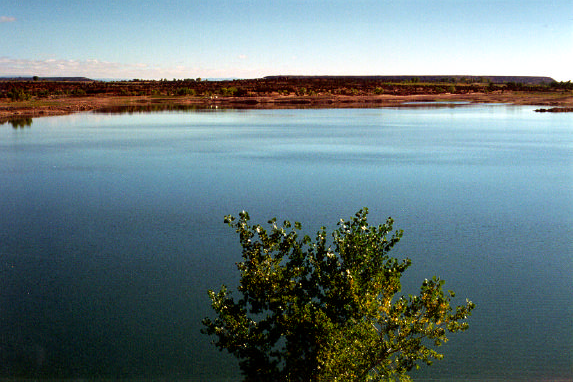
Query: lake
x: 111, y: 228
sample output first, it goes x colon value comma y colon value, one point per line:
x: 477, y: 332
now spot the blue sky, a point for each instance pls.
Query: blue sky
x: 254, y: 38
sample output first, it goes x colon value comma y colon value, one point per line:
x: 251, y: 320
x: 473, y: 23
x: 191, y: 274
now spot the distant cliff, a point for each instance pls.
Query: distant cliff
x: 58, y: 79
x: 526, y: 80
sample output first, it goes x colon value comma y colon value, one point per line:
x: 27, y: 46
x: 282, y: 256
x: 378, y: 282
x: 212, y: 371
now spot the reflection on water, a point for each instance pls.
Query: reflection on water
x: 19, y: 123
x: 152, y: 107
x: 436, y: 104
x: 254, y: 104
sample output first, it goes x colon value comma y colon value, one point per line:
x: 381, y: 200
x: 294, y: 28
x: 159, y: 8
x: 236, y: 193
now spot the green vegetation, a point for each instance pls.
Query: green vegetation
x: 563, y: 85
x: 271, y: 86
x: 186, y: 91
x: 325, y: 309
x: 18, y: 95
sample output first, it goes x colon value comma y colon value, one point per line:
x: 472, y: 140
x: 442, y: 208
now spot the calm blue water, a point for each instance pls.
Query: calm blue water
x: 111, y: 228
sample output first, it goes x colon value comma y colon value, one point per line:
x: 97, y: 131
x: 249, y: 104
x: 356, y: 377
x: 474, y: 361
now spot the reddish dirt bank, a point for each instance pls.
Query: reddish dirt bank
x: 61, y: 105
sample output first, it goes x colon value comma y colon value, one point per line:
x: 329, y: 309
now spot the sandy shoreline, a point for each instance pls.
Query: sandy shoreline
x: 68, y: 105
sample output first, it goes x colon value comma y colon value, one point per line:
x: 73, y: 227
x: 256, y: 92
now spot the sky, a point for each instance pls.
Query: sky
x: 126, y: 39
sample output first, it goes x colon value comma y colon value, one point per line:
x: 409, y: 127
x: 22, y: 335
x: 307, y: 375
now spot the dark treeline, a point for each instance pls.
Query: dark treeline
x: 278, y: 86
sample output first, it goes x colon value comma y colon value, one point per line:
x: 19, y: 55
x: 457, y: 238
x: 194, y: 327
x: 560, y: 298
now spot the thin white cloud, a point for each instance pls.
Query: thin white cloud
x: 57, y: 67
x: 94, y: 68
x: 98, y: 69
x: 7, y: 19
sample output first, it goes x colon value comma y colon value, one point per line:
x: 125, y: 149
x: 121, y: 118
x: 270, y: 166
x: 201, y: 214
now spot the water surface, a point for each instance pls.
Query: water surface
x: 111, y: 228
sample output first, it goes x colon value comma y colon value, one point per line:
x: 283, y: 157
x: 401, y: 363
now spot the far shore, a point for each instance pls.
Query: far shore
x: 62, y: 105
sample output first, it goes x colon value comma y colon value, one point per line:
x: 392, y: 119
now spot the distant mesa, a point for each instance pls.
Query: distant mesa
x: 58, y: 79
x: 526, y: 80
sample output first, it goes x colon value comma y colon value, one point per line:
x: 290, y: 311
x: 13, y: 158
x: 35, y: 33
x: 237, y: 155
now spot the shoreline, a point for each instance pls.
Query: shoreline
x: 35, y: 108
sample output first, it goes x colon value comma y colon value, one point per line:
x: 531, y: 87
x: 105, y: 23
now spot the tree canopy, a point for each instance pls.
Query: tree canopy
x: 326, y: 309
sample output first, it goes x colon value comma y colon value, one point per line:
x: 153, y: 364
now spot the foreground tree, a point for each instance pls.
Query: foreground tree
x: 325, y: 310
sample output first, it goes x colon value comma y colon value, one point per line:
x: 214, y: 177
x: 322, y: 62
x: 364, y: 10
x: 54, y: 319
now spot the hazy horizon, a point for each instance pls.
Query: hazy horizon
x: 421, y: 76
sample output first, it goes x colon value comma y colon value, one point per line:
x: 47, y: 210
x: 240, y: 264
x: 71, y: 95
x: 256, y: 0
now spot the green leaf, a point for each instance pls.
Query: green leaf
x: 320, y: 311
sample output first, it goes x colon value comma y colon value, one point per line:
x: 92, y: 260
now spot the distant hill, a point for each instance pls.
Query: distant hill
x: 526, y: 80
x: 69, y: 79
